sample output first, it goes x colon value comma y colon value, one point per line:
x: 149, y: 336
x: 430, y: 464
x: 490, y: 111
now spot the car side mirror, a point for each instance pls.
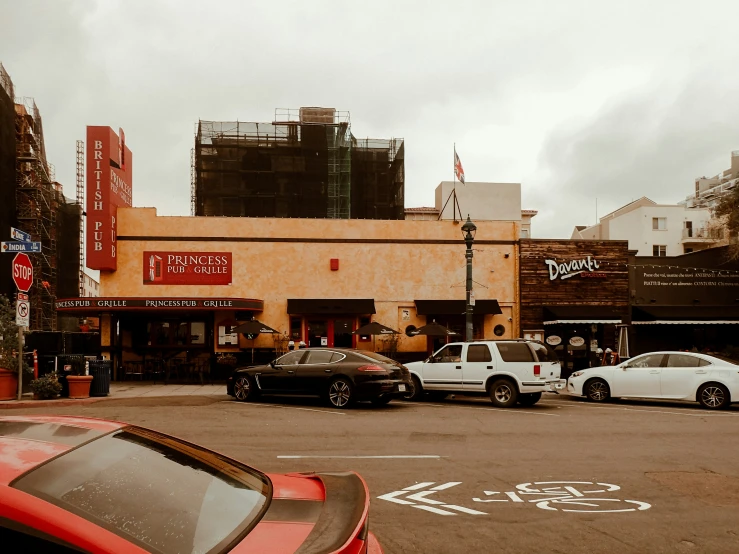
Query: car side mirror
x: 272, y: 363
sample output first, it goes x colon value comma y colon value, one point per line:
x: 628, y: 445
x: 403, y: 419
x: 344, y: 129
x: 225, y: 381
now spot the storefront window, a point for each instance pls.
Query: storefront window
x: 167, y: 333
x: 197, y: 332
x: 182, y: 333
x: 362, y: 322
x: 296, y: 329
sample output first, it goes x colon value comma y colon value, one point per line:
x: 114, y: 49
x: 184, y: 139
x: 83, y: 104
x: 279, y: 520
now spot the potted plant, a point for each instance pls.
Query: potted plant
x: 46, y: 387
x: 78, y: 378
x: 9, y: 351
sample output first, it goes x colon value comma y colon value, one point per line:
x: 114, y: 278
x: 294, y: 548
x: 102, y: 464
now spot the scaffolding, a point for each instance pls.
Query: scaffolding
x: 37, y: 201
x: 299, y: 165
x: 81, y: 203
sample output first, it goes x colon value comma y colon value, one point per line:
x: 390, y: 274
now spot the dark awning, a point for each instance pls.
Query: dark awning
x: 456, y: 307
x: 584, y: 314
x: 330, y: 306
x: 705, y: 314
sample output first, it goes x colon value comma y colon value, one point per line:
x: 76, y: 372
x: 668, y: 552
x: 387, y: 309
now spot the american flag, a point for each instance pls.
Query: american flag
x: 458, y: 171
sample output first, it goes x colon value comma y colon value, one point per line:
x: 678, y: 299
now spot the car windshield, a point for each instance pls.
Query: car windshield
x: 155, y: 491
x: 377, y: 357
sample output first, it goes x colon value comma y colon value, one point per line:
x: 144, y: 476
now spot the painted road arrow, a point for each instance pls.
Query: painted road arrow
x: 437, y: 506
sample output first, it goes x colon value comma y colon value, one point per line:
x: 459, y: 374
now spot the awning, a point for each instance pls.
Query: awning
x: 155, y: 303
x: 335, y: 306
x: 554, y: 315
x: 686, y: 322
x: 456, y: 307
x: 691, y: 314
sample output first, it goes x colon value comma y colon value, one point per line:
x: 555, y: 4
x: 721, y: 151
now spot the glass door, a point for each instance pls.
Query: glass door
x: 317, y: 332
x: 343, y: 333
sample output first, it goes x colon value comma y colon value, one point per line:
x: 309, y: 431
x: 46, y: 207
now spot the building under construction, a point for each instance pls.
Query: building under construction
x: 33, y: 202
x: 305, y: 163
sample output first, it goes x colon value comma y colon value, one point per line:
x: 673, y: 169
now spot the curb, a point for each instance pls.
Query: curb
x: 16, y: 404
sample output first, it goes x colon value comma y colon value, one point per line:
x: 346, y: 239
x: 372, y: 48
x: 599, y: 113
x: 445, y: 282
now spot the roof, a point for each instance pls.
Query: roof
x: 529, y: 212
x: 643, y: 201
x: 29, y: 441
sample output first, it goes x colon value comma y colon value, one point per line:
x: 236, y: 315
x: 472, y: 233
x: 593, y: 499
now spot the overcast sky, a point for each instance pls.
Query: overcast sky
x: 574, y: 99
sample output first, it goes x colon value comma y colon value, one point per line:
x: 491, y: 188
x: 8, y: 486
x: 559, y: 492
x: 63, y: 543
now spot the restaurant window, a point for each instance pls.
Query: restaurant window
x: 659, y: 223
x: 166, y: 333
x: 296, y: 328
x: 197, y: 332
x: 181, y: 337
x: 159, y: 333
x: 362, y: 322
x: 659, y: 250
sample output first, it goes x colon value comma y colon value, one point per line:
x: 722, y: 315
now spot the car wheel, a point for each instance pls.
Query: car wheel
x: 381, y: 400
x: 713, y: 396
x: 416, y: 392
x: 529, y: 399
x: 244, y: 389
x: 340, y: 393
x: 597, y: 390
x: 503, y: 393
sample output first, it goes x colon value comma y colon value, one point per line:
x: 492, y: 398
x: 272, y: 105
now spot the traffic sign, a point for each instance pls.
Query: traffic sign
x: 22, y: 272
x: 22, y: 311
x: 17, y: 234
x: 11, y: 246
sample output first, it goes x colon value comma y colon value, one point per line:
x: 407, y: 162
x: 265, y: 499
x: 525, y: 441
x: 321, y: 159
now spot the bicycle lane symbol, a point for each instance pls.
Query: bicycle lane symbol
x: 565, y: 496
x: 569, y: 496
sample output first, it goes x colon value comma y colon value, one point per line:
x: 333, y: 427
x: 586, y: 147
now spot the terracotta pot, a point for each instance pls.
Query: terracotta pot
x: 8, y: 385
x: 79, y: 386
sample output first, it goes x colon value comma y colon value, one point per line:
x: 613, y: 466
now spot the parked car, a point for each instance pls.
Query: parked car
x: 509, y: 371
x: 341, y: 375
x: 709, y: 380
x: 70, y: 484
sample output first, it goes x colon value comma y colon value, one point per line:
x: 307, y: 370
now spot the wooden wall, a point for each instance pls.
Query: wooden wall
x: 538, y: 291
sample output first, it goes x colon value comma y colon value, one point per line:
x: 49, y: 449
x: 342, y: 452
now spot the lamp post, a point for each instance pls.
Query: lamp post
x: 468, y: 231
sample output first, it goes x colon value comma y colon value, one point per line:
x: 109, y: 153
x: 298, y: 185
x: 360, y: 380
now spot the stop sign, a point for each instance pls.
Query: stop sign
x: 22, y: 272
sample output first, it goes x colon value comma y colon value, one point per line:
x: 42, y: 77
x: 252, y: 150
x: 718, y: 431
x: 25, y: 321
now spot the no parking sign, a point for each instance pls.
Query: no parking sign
x: 22, y: 310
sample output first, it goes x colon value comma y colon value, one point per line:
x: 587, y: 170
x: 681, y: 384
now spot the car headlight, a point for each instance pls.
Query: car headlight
x: 577, y: 374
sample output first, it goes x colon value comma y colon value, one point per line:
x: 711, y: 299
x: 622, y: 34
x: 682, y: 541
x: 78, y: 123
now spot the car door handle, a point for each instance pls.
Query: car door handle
x: 654, y: 371
x: 701, y: 372
x: 459, y: 367
x: 327, y: 370
x: 290, y: 371
x: 490, y: 367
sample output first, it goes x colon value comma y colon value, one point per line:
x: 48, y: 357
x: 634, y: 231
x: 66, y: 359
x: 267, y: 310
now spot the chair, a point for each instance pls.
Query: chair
x: 154, y: 367
x: 173, y: 366
x: 132, y: 369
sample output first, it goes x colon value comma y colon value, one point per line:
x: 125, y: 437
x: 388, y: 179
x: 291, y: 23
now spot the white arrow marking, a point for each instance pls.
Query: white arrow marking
x: 419, y: 496
x: 391, y: 497
x: 418, y: 486
x: 446, y: 486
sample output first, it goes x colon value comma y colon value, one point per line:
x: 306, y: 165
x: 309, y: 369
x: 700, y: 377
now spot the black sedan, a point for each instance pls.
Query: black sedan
x: 341, y: 375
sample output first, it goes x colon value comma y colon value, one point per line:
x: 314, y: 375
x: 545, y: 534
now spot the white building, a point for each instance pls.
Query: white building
x: 90, y: 287
x: 481, y: 201
x: 710, y: 190
x: 655, y: 229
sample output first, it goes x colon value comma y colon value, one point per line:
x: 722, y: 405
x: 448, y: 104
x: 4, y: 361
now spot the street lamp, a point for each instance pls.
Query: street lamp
x: 468, y: 232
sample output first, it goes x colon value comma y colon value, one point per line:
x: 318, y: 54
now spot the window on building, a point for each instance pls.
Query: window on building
x: 296, y: 329
x: 362, y: 322
x: 659, y: 223
x: 659, y: 250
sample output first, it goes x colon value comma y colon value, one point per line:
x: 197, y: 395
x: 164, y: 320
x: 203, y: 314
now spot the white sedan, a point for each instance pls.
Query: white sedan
x: 711, y: 381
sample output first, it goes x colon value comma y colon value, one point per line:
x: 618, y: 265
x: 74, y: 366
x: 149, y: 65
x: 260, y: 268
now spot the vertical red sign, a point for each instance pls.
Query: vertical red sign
x: 109, y: 171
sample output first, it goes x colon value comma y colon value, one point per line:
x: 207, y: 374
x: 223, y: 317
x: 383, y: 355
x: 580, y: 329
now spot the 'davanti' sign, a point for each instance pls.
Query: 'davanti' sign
x: 567, y: 270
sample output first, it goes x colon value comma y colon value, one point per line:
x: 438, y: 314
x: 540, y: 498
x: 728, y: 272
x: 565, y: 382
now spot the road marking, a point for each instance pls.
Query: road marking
x: 441, y: 509
x: 284, y: 407
x: 576, y: 405
x: 399, y: 457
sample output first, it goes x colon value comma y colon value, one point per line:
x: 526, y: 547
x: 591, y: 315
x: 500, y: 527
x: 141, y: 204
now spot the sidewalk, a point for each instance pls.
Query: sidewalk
x: 125, y: 389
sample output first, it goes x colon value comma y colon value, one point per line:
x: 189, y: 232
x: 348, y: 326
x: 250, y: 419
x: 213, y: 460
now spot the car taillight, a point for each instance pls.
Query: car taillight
x: 371, y: 368
x: 537, y: 370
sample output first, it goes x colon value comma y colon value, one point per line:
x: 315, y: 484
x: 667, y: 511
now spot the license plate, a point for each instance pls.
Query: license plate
x: 401, y: 388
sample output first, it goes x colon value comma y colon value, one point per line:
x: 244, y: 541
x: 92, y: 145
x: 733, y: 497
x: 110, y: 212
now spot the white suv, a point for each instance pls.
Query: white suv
x: 509, y: 371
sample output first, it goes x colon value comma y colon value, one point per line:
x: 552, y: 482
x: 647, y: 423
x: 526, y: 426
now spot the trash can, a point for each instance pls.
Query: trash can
x: 100, y: 371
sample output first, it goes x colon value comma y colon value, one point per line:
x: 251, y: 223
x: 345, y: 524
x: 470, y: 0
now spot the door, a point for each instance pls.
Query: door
x: 478, y: 364
x: 280, y: 377
x: 343, y: 337
x: 639, y: 377
x: 444, y: 370
x: 317, y: 332
x: 682, y: 374
x: 315, y: 371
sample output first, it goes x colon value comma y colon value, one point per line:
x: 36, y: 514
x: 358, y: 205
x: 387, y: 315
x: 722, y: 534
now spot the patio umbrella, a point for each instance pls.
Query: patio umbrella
x: 251, y: 329
x: 433, y: 329
x: 373, y: 329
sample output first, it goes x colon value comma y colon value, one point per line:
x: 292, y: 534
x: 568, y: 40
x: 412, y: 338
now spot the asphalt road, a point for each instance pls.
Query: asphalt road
x: 668, y: 472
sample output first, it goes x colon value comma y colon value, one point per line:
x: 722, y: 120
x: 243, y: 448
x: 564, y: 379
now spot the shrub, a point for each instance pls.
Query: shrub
x: 46, y: 386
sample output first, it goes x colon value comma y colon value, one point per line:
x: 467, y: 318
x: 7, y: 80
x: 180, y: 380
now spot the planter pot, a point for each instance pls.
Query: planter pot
x: 79, y: 386
x: 8, y: 385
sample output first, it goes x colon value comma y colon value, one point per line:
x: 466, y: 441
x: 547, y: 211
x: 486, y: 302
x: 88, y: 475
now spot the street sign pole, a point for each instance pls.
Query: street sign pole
x: 20, y: 361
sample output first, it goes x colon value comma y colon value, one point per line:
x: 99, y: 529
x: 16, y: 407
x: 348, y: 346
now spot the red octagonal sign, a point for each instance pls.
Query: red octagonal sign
x: 22, y: 272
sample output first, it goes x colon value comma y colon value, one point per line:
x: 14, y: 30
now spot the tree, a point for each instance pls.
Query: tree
x: 8, y: 335
x: 728, y: 211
